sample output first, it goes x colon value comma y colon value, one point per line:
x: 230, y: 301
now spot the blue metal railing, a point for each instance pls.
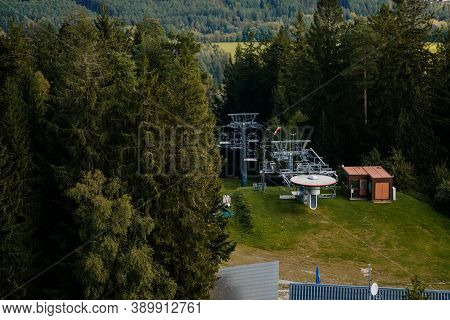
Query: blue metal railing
x: 312, y: 291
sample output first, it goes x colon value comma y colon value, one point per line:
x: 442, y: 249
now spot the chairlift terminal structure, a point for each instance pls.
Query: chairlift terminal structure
x: 289, y: 158
x: 277, y: 159
x: 309, y: 187
x: 241, y: 134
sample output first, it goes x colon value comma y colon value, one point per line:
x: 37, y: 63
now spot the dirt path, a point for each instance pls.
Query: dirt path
x: 295, y: 267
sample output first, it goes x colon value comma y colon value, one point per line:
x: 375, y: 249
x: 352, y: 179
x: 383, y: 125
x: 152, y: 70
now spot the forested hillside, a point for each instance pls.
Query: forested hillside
x: 53, y: 11
x: 222, y: 17
x: 214, y: 20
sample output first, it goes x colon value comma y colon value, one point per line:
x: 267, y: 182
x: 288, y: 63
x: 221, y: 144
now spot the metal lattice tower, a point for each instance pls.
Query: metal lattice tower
x: 289, y: 158
x: 278, y: 158
x: 241, y: 134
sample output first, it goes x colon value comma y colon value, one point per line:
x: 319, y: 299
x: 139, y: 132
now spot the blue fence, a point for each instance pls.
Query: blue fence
x: 312, y: 291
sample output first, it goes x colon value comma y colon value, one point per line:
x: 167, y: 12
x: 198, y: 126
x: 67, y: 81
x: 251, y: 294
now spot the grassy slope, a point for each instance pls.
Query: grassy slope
x: 399, y: 239
x: 228, y: 47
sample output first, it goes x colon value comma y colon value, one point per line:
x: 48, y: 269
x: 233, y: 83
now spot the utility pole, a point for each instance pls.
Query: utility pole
x: 367, y: 273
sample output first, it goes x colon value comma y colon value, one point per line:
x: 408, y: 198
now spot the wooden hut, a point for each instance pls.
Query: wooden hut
x: 371, y: 183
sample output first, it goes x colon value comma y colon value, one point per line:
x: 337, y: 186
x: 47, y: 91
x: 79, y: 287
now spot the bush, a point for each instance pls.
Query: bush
x: 436, y: 177
x: 402, y: 170
x: 442, y: 197
x: 416, y: 291
x: 373, y: 158
x: 242, y: 211
x: 440, y: 172
x: 397, y: 165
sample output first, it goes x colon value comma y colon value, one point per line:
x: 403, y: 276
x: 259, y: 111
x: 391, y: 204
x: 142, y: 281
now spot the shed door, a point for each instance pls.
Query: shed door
x: 382, y: 191
x: 363, y: 188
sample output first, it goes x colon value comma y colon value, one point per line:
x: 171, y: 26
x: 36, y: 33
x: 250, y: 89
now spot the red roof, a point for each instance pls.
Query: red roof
x: 373, y: 172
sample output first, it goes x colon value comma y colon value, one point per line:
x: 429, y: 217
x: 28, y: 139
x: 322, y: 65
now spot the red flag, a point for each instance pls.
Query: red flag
x: 277, y: 131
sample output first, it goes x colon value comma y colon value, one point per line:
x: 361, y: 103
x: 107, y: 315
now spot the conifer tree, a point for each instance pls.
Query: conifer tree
x: 155, y: 233
x: 16, y: 164
x: 360, y: 55
x: 109, y: 31
x: 403, y: 103
x: 290, y: 107
x: 441, y: 95
x: 77, y: 113
x: 75, y: 139
x: 325, y: 39
x: 15, y: 184
x: 275, y: 67
x: 246, y: 85
x: 45, y: 49
x: 180, y: 186
x: 118, y: 263
x: 195, y: 224
x: 361, y: 44
x: 118, y: 97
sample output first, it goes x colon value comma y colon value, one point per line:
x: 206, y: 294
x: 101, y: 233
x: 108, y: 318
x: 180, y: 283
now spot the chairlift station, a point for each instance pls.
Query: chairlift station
x: 310, y: 186
x: 288, y: 161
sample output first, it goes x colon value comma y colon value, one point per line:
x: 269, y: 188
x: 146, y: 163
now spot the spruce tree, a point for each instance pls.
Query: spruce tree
x: 15, y: 183
x: 325, y: 39
x: 246, y: 83
x: 290, y: 107
x: 75, y: 141
x: 179, y: 185
x: 74, y: 125
x: 360, y: 54
x: 76, y: 112
x: 276, y: 60
x: 195, y: 223
x: 110, y: 31
x: 441, y: 95
x: 118, y: 97
x: 403, y: 86
x: 16, y: 163
x: 361, y: 43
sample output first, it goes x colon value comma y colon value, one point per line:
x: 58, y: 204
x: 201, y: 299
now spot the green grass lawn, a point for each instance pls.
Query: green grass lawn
x: 230, y: 47
x: 399, y: 239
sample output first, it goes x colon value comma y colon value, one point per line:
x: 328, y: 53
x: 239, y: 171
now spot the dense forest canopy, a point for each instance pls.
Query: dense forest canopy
x: 93, y: 162
x: 214, y: 20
